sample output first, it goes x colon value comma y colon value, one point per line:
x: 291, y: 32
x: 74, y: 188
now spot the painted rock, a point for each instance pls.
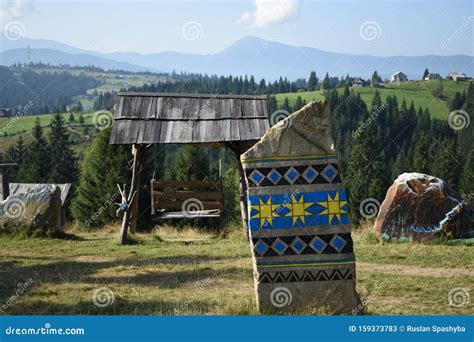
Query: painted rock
x: 420, y: 207
x: 298, y: 218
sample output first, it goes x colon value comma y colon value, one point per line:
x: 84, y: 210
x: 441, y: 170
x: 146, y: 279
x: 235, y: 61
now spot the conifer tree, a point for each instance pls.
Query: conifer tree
x: 298, y: 104
x: 326, y: 83
x: 286, y: 105
x: 425, y: 74
x: 400, y: 165
x: 420, y: 158
x: 191, y: 163
x: 365, y: 173
x: 17, y: 154
x: 63, y: 162
x: 312, y: 81
x: 466, y: 182
x: 37, y: 165
x: 103, y: 167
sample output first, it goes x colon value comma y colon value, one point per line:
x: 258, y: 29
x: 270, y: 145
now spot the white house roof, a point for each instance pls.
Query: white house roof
x: 398, y: 73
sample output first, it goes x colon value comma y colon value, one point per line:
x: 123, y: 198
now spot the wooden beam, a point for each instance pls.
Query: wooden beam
x: 183, y: 195
x: 139, y: 152
x: 238, y: 149
x: 178, y: 205
x: 130, y: 215
x: 195, y: 184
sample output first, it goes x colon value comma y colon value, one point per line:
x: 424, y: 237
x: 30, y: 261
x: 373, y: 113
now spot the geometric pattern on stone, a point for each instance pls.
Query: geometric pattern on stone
x: 306, y: 275
x: 318, y: 244
x: 274, y: 176
x: 302, y: 217
x: 304, y: 245
x: 329, y: 173
x: 279, y: 246
x: 291, y: 175
x: 298, y: 245
x: 261, y: 247
x: 307, y: 174
x: 338, y: 243
x: 277, y: 211
x: 310, y: 174
x: 257, y: 177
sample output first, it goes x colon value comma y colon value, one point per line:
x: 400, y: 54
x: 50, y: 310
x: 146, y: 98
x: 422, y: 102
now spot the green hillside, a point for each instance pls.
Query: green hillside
x: 418, y: 91
x: 12, y: 128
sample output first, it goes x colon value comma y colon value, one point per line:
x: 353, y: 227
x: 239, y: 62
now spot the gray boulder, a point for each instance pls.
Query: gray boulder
x: 39, y: 207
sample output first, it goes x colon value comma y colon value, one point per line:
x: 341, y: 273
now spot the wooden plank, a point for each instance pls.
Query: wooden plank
x: 199, y: 96
x: 180, y: 214
x: 178, y: 205
x: 195, y: 184
x: 183, y: 195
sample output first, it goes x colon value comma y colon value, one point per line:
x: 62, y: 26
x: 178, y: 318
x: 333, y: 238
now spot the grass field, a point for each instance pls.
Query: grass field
x: 418, y: 91
x: 168, y: 273
x: 109, y: 80
x: 22, y: 126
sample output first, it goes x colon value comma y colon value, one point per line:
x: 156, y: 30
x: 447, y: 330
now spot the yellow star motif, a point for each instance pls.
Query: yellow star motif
x: 333, y: 207
x: 264, y: 211
x: 298, y: 209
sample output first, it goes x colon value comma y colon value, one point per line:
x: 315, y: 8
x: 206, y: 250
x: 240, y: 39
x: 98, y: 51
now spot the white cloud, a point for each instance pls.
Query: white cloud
x: 269, y: 12
x: 13, y: 9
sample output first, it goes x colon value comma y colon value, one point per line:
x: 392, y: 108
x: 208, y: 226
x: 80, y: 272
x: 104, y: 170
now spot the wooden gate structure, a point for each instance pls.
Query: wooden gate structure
x: 143, y: 119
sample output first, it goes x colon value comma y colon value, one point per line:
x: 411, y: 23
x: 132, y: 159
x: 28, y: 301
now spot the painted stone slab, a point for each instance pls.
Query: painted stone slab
x: 298, y: 218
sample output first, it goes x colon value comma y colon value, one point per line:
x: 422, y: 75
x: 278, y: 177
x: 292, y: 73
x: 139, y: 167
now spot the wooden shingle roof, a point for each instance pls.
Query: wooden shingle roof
x: 163, y: 118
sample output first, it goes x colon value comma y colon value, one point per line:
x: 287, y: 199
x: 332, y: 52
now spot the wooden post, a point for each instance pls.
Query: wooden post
x: 138, y: 151
x: 125, y: 207
x: 130, y: 216
x: 243, y: 197
x: 4, y: 183
x: 238, y: 150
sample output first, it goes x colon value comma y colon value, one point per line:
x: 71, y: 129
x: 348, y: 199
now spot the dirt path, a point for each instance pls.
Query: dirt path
x: 417, y: 271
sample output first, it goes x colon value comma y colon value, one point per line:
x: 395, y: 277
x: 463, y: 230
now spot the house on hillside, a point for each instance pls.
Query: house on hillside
x: 5, y: 112
x: 433, y: 76
x: 399, y: 77
x: 457, y: 76
x: 358, y: 82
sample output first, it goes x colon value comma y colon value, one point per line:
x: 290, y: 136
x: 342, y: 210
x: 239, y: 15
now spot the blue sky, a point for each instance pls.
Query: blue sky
x: 382, y: 28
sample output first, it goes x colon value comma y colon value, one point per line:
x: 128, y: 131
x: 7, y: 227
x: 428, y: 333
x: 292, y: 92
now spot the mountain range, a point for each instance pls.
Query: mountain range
x: 248, y: 56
